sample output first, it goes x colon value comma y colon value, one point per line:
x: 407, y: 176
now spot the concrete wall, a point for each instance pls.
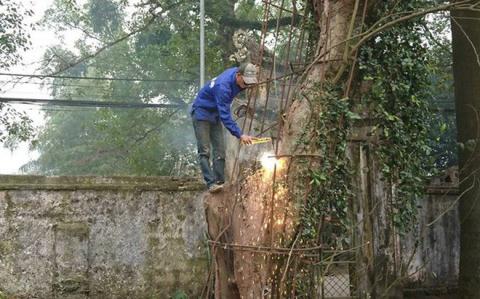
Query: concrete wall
x: 124, y: 237
x: 432, y: 249
x: 94, y: 237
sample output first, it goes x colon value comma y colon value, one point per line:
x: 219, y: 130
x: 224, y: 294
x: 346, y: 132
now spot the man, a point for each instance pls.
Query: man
x: 211, y: 109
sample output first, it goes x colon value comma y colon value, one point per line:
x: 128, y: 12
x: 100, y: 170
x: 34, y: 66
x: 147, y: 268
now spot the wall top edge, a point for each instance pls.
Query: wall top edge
x: 164, y: 183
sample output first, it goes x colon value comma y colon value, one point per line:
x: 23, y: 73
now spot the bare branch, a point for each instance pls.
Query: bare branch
x: 121, y: 39
x: 105, y: 47
x: 84, y: 31
x: 372, y: 32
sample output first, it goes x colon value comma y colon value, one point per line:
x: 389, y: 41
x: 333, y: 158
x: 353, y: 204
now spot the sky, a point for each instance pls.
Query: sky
x: 41, y: 39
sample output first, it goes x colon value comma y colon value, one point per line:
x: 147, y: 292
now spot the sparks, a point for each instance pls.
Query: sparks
x: 269, y: 163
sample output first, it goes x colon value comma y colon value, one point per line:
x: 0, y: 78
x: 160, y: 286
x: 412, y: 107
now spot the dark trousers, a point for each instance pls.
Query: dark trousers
x: 207, y: 134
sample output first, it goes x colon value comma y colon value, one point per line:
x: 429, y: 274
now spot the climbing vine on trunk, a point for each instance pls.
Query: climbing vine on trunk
x: 396, y: 67
x: 364, y: 88
x: 389, y: 92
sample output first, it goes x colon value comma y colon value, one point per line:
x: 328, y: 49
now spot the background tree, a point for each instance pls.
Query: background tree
x: 164, y: 48
x: 14, y: 38
x: 466, y: 69
x: 443, y: 134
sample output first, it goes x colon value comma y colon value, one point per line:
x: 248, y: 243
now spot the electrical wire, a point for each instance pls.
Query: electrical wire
x: 73, y: 97
x: 94, y: 78
x: 49, y: 84
x: 86, y: 103
x: 90, y: 94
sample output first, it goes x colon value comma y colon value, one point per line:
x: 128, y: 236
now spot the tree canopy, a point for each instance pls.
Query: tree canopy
x: 14, y: 39
x: 154, y: 42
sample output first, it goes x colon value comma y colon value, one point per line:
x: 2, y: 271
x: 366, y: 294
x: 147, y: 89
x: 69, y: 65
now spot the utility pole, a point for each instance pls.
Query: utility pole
x: 202, y: 43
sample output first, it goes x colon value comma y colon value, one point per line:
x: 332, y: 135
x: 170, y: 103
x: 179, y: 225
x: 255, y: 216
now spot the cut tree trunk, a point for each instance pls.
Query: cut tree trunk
x: 251, y: 223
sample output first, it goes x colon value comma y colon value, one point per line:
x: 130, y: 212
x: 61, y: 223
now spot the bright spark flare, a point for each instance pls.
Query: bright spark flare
x: 269, y: 162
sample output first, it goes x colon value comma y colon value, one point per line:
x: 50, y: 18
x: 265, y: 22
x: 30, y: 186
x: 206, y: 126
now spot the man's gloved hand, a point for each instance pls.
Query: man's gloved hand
x: 245, y: 139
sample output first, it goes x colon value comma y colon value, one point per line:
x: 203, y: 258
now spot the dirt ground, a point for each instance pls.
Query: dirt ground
x: 430, y: 295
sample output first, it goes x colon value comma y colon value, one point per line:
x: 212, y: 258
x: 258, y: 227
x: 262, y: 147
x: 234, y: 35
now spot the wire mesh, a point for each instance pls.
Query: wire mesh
x: 336, y: 283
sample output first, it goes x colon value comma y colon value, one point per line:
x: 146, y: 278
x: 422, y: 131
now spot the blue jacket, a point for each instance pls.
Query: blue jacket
x: 213, y: 101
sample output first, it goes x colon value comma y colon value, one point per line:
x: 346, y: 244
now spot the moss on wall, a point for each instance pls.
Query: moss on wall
x: 118, y: 237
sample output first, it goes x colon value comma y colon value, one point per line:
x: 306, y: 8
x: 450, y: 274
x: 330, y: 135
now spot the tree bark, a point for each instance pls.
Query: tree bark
x: 466, y: 71
x: 259, y: 217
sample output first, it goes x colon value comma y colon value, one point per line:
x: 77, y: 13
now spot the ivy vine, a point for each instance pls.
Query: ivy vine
x: 395, y: 65
x: 391, y: 90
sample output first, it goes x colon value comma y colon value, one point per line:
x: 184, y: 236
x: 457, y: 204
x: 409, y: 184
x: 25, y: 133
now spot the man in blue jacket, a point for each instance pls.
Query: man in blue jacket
x: 211, y: 109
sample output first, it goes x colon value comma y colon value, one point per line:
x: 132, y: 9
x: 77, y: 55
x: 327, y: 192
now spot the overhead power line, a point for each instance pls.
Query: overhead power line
x: 90, y: 94
x: 94, y: 78
x: 48, y: 84
x: 85, y: 103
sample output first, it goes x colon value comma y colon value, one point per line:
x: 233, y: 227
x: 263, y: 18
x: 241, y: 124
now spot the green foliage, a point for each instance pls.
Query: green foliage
x: 14, y: 38
x: 117, y: 141
x: 129, y: 142
x: 14, y: 126
x: 395, y: 80
x: 395, y: 66
x: 106, y: 17
x: 330, y: 178
x: 248, y: 10
x: 443, y: 134
x: 180, y: 295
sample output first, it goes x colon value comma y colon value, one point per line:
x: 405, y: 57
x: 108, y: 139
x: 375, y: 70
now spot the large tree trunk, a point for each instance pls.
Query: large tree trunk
x: 377, y: 262
x: 466, y: 70
x: 250, y: 218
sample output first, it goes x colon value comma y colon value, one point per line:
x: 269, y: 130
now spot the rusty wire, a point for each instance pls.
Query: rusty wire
x: 301, y: 251
x: 284, y: 101
x: 262, y: 49
x: 263, y: 37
